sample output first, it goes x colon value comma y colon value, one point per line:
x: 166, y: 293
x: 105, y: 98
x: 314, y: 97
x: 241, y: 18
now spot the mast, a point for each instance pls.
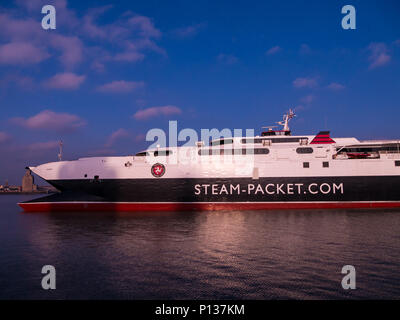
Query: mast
x: 286, y: 118
x: 60, y: 150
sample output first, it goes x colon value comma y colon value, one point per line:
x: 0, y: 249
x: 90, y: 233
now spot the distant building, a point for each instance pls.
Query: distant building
x: 28, y: 182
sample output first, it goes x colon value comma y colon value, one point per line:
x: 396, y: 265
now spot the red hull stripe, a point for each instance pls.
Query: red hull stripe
x: 198, y: 206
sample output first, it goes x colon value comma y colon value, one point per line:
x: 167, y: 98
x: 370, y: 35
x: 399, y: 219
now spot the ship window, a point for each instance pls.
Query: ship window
x: 392, y: 148
x: 251, y: 151
x: 306, y: 164
x: 304, y: 150
x: 85, y: 175
x: 162, y: 153
x: 237, y: 152
x: 261, y: 151
x: 397, y: 163
x: 214, y: 152
x: 251, y: 140
x: 221, y: 142
x: 325, y: 164
x: 225, y: 151
x: 209, y: 152
x: 142, y: 154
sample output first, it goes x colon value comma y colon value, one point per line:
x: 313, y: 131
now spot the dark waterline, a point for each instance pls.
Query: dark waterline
x: 199, y: 255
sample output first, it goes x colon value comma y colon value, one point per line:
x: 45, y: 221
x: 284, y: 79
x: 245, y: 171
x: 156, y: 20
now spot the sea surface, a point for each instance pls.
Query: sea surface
x: 199, y: 255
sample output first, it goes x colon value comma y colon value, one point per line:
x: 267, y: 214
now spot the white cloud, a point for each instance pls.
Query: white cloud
x: 120, y: 86
x: 189, y: 31
x: 273, y: 50
x: 305, y: 49
x: 4, y: 137
x: 51, y: 121
x: 65, y: 81
x: 21, y: 53
x: 308, y: 99
x: 156, y: 111
x: 40, y: 146
x: 379, y: 55
x: 116, y: 135
x: 335, y: 86
x: 227, y: 58
x: 305, y: 82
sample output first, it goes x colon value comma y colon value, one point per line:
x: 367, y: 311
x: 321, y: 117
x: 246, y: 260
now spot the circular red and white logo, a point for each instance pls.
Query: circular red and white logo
x: 158, y: 170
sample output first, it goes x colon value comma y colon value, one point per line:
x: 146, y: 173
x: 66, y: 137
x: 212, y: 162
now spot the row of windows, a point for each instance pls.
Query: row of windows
x: 223, y: 151
x: 259, y: 140
x: 213, y: 152
x: 325, y: 164
x: 391, y: 148
x: 209, y: 152
x: 156, y: 153
x: 304, y: 150
x: 273, y: 140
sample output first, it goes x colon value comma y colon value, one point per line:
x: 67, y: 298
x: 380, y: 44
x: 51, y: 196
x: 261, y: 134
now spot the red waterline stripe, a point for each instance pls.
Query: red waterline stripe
x: 198, y: 206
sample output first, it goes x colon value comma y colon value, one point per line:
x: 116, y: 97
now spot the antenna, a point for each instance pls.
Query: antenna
x: 61, y: 150
x: 269, y: 127
x: 286, y: 118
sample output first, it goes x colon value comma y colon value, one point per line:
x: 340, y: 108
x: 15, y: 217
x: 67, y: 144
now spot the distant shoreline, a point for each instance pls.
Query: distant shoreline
x: 27, y: 193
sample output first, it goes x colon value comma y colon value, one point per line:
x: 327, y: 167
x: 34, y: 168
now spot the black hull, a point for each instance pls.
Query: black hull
x: 295, y: 189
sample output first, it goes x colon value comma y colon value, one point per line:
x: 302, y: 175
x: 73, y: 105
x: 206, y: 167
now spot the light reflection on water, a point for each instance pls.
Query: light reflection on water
x: 199, y: 255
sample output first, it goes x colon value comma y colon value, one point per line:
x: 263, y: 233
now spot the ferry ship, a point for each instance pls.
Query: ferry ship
x: 275, y: 170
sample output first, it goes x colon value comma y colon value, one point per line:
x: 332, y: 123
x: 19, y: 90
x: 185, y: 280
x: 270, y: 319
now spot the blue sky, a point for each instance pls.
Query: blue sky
x: 112, y: 71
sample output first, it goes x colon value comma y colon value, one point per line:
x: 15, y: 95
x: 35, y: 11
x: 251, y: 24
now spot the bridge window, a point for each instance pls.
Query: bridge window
x: 162, y: 153
x: 142, y: 154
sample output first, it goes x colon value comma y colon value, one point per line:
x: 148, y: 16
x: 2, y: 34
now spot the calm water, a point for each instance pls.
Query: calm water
x: 205, y: 255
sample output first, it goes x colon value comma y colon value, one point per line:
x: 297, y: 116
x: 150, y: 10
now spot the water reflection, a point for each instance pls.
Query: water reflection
x: 237, y: 255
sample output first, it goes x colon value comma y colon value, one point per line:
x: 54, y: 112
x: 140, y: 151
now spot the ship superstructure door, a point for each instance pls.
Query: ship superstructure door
x: 321, y: 152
